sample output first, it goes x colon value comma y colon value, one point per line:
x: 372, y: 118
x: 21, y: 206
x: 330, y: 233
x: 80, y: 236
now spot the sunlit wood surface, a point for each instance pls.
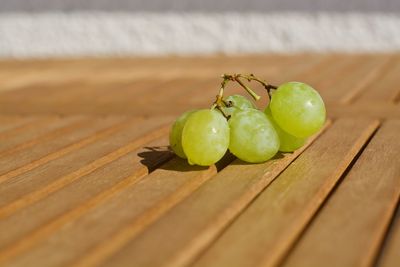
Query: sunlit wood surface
x: 86, y: 177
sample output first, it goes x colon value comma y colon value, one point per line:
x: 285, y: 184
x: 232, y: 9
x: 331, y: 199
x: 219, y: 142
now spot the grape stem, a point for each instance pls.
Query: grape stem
x: 236, y: 78
x: 249, y: 78
x: 223, y: 112
x: 266, y: 85
x: 220, y: 102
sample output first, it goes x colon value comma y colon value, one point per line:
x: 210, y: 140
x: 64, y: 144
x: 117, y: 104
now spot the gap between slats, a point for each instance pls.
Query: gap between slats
x: 280, y: 212
x: 259, y: 176
x: 76, y: 123
x: 66, y: 179
x: 107, y: 196
x: 65, y: 149
x: 8, y: 123
x: 113, y: 190
x: 389, y: 255
x: 158, y: 211
x: 27, y: 131
x: 369, y: 192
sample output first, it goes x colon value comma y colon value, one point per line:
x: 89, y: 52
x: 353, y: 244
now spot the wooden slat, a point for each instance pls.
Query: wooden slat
x: 302, y: 69
x: 329, y: 68
x: 386, y: 88
x: 199, y: 92
x: 266, y: 230
x: 207, y: 213
x: 204, y: 95
x: 87, y: 179
x: 148, y: 199
x: 390, y: 256
x: 351, y: 85
x: 347, y: 81
x: 81, y: 96
x: 161, y: 93
x: 22, y: 190
x: 11, y: 122
x: 349, y: 229
x: 49, y: 214
x: 21, y: 78
x: 68, y: 126
x: 34, y: 129
x: 126, y: 94
x: 34, y: 163
x: 227, y: 205
x: 120, y: 69
x: 364, y: 110
x: 26, y: 159
x: 65, y: 71
x: 339, y: 78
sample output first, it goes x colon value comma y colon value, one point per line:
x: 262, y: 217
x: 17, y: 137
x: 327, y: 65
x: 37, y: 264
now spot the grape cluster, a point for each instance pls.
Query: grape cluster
x: 295, y: 112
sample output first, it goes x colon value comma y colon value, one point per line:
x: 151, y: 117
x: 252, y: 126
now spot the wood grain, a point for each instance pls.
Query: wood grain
x: 390, y: 256
x: 146, y: 205
x: 369, y: 193
x: 87, y: 178
x: 363, y: 74
x: 51, y: 213
x: 27, y: 188
x: 385, y: 89
x: 202, y: 208
x: 265, y: 231
x: 30, y: 131
x: 57, y: 148
x: 11, y: 122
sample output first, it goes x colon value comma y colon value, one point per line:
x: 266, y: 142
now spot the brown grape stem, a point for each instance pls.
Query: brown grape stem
x: 266, y: 85
x: 223, y: 112
x: 236, y: 78
x: 219, y: 103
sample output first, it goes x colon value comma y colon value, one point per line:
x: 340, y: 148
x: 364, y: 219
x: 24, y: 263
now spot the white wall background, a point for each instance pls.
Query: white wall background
x: 41, y: 28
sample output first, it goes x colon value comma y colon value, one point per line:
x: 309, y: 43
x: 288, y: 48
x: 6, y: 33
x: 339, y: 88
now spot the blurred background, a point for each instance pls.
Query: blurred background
x: 59, y: 28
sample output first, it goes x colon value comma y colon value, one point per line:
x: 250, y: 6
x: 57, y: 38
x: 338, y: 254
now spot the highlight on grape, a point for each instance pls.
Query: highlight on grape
x: 295, y: 112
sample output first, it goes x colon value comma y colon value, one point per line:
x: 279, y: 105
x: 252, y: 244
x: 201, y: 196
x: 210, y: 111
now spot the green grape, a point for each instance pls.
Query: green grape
x: 175, y: 135
x: 252, y: 136
x: 288, y: 142
x: 298, y: 109
x: 205, y: 137
x: 238, y: 102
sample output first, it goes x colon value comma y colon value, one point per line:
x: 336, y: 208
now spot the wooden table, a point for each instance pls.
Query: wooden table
x: 86, y: 178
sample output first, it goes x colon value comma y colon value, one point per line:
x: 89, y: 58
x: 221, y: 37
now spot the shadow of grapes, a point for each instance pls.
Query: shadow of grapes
x: 162, y: 157
x: 154, y: 156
